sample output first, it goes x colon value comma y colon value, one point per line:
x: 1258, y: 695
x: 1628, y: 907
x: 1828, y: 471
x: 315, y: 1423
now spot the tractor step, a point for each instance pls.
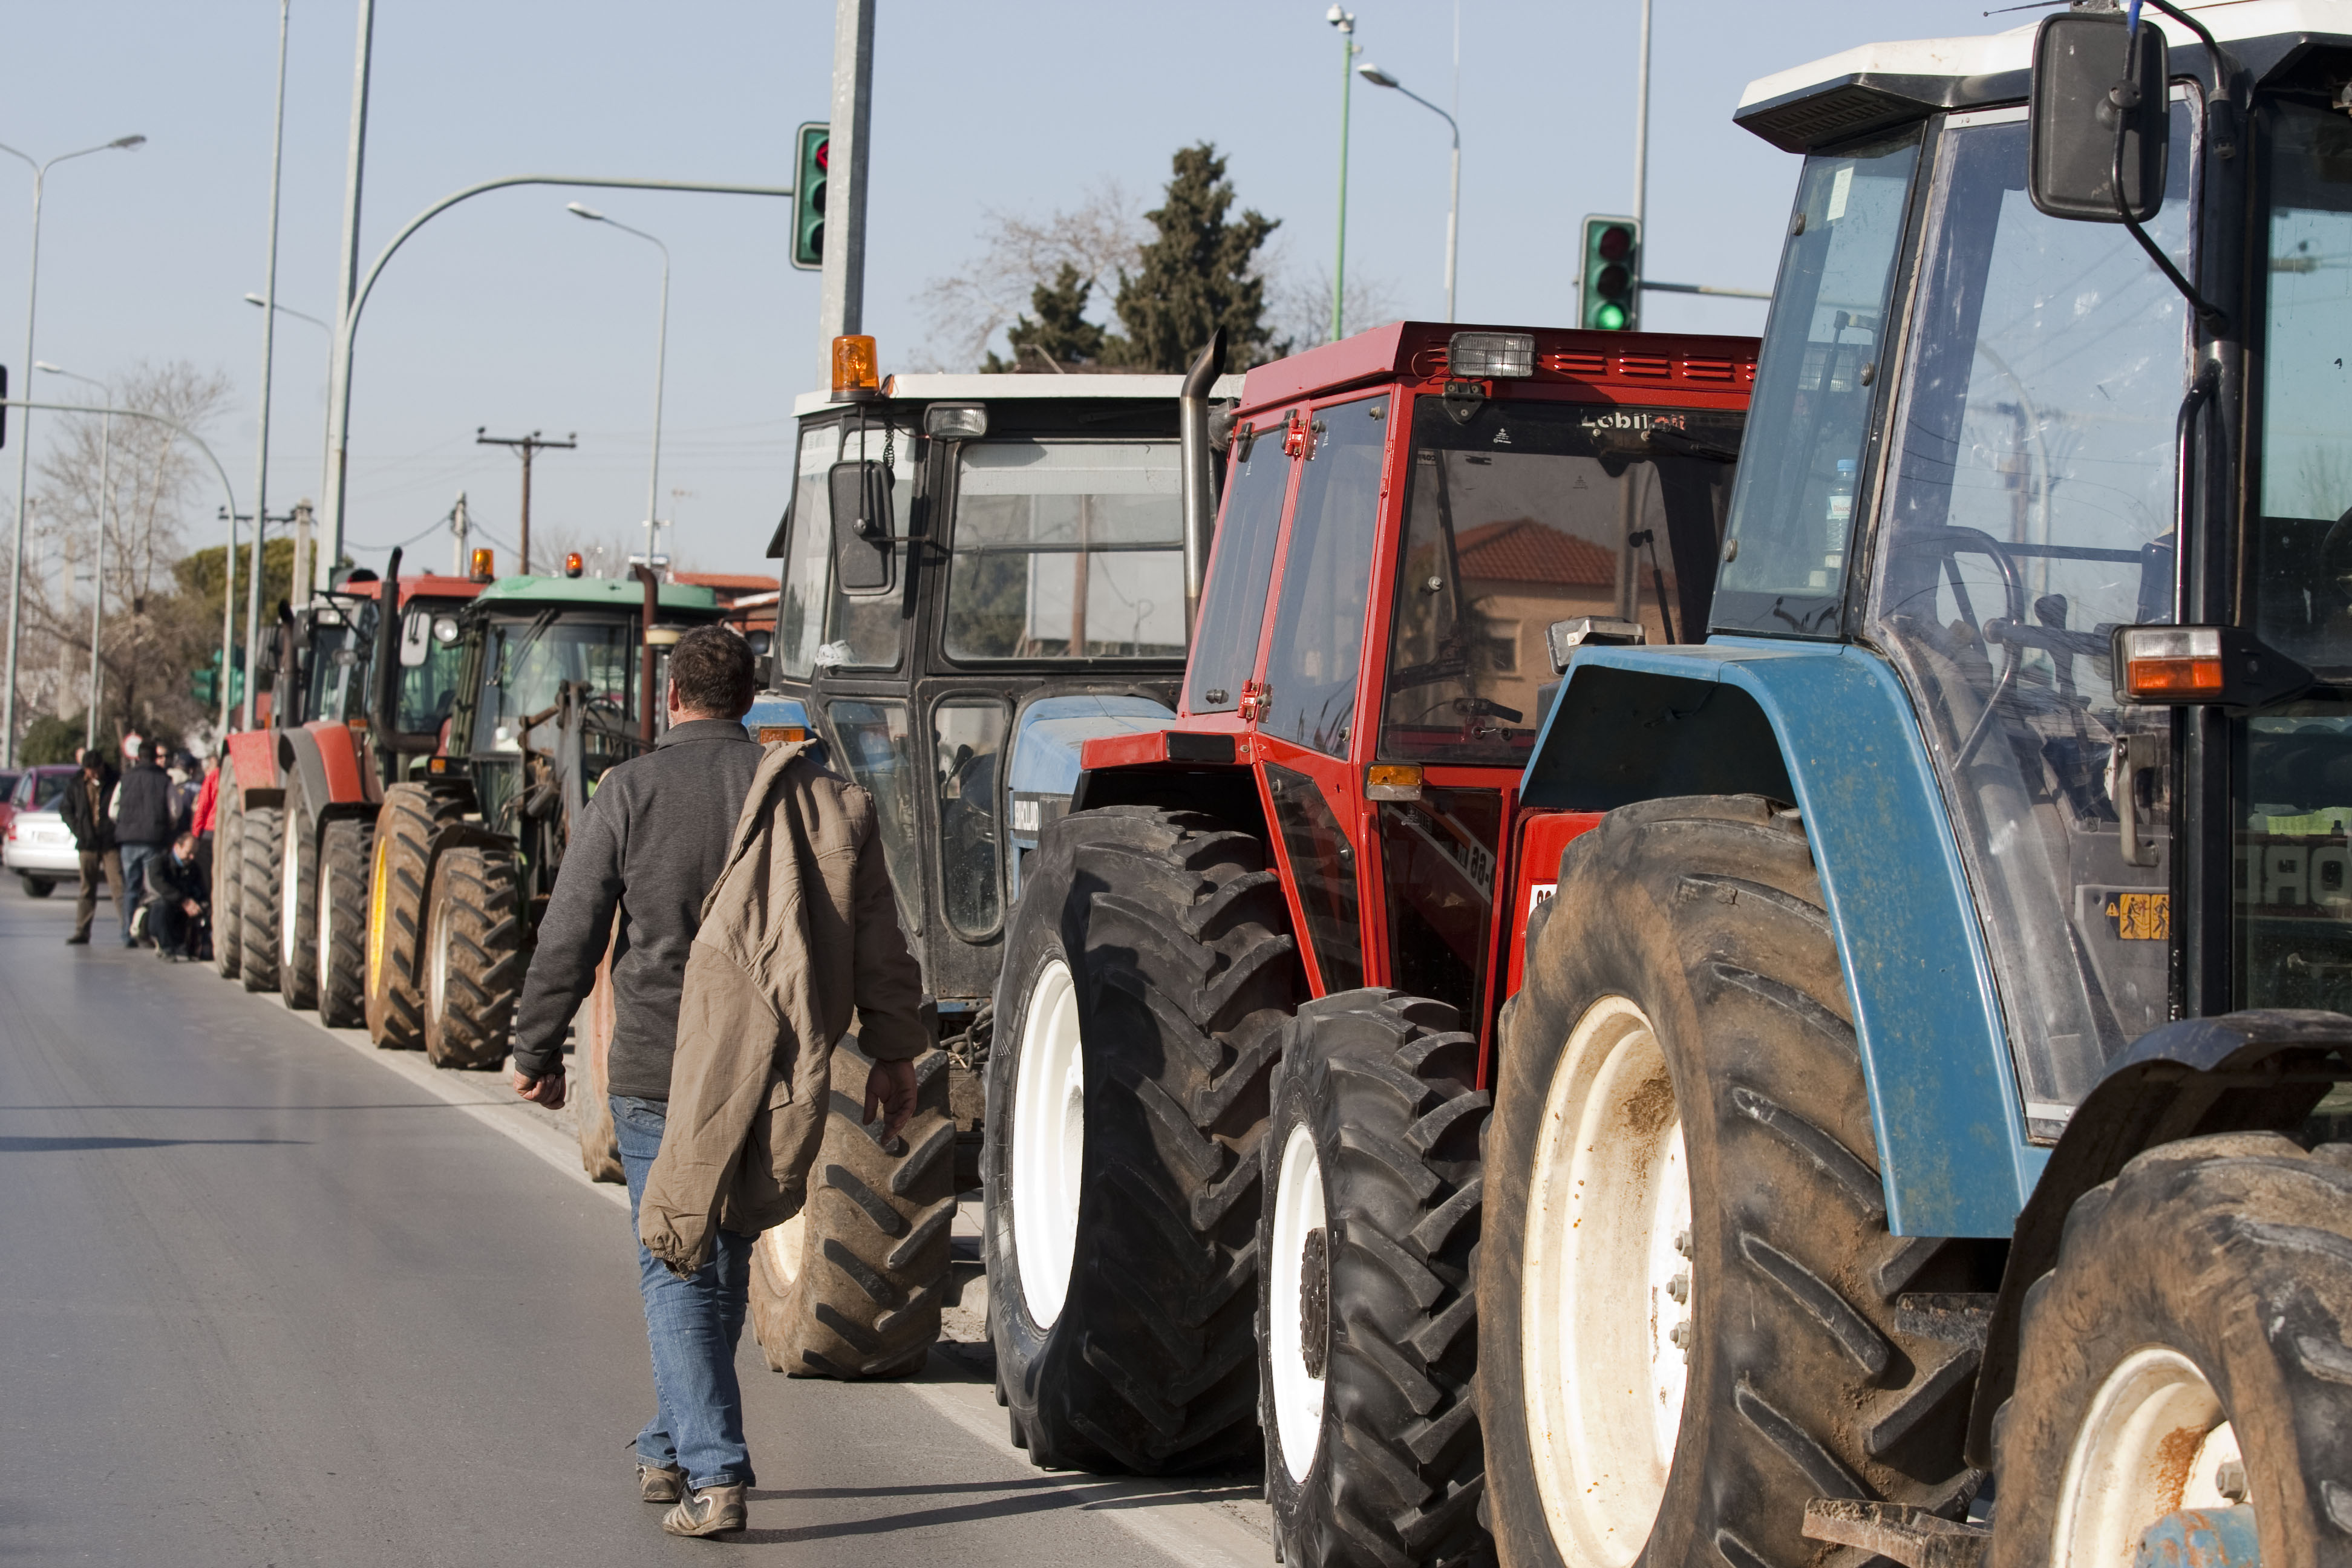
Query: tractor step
x: 1911, y: 1536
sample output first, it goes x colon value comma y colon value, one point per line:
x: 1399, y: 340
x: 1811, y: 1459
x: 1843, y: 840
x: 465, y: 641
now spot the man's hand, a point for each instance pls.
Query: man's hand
x: 890, y: 1087
x: 190, y: 907
x: 549, y: 1091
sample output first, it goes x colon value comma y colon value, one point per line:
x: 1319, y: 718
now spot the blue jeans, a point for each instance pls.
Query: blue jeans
x: 134, y: 879
x: 693, y: 1325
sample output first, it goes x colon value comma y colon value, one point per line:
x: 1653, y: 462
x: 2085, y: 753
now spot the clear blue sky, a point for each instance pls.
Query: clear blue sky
x: 510, y: 313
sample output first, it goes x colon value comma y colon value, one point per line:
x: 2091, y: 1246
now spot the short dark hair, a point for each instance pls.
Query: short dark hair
x: 712, y: 668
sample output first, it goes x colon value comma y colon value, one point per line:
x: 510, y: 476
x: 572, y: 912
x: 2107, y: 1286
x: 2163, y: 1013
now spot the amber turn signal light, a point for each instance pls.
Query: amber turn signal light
x: 1392, y: 781
x: 2223, y: 664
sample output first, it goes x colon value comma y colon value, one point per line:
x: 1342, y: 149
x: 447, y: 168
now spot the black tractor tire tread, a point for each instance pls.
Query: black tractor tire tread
x: 1177, y: 938
x: 297, y: 976
x: 476, y: 890
x: 864, y: 1300
x: 1708, y: 912
x: 257, y: 851
x: 228, y: 876
x: 2236, y: 1250
x: 344, y: 860
x: 1388, y: 1082
x: 410, y: 817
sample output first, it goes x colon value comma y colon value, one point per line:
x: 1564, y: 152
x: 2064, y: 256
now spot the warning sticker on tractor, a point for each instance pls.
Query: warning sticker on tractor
x: 2140, y: 917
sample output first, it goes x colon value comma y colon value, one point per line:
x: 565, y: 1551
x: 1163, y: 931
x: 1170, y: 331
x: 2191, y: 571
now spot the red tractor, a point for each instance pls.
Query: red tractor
x: 1311, y: 888
x: 359, y: 697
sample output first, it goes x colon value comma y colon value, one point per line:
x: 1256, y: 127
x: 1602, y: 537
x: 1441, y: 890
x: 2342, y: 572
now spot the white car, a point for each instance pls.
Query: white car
x: 40, y: 846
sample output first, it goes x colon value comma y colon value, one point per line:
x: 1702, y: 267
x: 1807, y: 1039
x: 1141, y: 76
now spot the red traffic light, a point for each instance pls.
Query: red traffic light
x: 824, y: 154
x: 1616, y: 242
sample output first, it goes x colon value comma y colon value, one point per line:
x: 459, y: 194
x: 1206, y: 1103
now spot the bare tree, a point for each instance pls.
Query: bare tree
x: 156, y: 485
x: 1298, y: 304
x: 1098, y: 239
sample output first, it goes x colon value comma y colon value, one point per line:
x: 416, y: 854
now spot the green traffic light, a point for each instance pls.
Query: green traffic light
x: 1610, y: 317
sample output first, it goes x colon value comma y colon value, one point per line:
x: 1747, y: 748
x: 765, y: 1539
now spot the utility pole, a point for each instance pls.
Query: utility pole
x: 1345, y: 21
x: 269, y: 345
x: 526, y: 445
x: 339, y: 437
x: 843, y: 310
x: 459, y: 525
x: 304, y: 570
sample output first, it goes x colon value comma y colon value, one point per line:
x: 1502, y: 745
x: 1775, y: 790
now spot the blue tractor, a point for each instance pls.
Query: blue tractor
x: 1915, y: 1135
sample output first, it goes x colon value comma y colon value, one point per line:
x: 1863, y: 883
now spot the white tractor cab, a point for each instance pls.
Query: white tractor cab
x: 980, y: 574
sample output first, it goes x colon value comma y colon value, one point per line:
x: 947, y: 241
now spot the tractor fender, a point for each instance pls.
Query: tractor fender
x: 456, y: 836
x: 2259, y: 1070
x: 255, y: 758
x: 320, y: 761
x: 1044, y: 763
x: 1829, y: 728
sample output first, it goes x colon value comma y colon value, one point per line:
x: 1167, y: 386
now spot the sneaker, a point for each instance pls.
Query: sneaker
x: 660, y: 1483
x: 713, y: 1510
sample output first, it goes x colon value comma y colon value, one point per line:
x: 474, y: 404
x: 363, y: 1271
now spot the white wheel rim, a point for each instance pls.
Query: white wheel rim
x: 290, y: 883
x: 1609, y: 1218
x: 1049, y: 1142
x: 436, y: 969
x: 1297, y: 1391
x: 783, y: 1244
x: 2125, y: 1470
x: 326, y: 933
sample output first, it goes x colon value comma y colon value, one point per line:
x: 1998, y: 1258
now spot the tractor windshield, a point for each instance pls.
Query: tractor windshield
x: 1523, y: 513
x: 1066, y: 550
x: 2294, y: 891
x: 526, y: 661
x: 2029, y: 510
x: 335, y: 659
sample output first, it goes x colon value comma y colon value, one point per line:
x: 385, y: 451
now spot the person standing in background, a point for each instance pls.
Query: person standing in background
x: 144, y: 824
x: 206, y: 812
x: 87, y: 807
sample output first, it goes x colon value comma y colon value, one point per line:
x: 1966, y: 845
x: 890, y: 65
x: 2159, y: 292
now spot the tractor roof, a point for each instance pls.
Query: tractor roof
x: 594, y: 593
x: 422, y: 585
x: 1625, y: 367
x: 1876, y: 86
x: 990, y: 388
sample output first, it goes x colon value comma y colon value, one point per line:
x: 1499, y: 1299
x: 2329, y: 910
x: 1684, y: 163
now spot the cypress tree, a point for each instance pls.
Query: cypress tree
x: 1061, y: 332
x: 1196, y: 275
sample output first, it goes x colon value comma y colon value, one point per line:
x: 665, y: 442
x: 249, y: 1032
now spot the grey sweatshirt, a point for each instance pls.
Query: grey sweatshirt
x: 649, y: 847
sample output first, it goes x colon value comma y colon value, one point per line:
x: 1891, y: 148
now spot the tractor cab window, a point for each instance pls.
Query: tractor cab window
x: 1792, y: 519
x: 967, y: 746
x: 1326, y: 571
x: 335, y: 656
x: 1520, y: 514
x: 427, y: 688
x: 526, y: 661
x: 816, y: 623
x: 1066, y: 550
x: 2030, y: 510
x: 1232, y: 603
x: 2293, y: 871
x: 877, y: 749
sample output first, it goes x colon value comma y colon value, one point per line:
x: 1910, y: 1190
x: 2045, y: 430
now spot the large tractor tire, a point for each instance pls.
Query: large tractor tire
x: 228, y: 877
x: 1688, y: 1298
x: 2188, y: 1351
x: 1367, y: 1320
x: 474, y: 958
x: 1146, y: 978
x: 342, y: 921
x: 256, y: 929
x: 592, y: 1105
x: 850, y: 1287
x: 404, y: 826
x: 298, y: 912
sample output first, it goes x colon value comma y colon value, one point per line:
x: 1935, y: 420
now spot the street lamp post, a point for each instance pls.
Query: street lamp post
x: 1378, y: 78
x: 661, y: 357
x: 25, y: 451
x: 1345, y: 21
x: 97, y: 555
x: 269, y: 357
x: 302, y: 578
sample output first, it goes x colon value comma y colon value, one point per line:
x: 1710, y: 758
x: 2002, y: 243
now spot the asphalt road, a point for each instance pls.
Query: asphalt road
x: 272, y: 1298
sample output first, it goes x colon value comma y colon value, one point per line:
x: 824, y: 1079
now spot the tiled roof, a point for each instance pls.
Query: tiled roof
x: 1525, y: 551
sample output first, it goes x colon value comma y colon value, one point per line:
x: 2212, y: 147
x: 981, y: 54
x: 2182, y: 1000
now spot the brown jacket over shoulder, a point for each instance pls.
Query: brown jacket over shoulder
x: 800, y: 927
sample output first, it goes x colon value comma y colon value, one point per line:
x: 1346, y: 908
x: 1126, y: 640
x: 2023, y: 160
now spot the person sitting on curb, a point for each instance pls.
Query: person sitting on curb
x: 176, y: 892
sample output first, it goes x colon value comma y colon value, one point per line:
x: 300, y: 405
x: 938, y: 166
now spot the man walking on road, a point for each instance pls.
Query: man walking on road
x: 653, y: 844
x: 88, y: 806
x: 144, y: 824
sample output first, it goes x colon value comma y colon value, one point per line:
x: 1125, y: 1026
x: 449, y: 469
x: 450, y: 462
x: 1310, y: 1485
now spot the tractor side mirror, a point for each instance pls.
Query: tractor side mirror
x: 863, y: 562
x: 2101, y: 105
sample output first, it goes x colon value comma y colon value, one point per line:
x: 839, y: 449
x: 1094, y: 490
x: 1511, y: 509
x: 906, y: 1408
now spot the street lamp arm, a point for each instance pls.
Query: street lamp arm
x: 1450, y: 126
x: 229, y: 562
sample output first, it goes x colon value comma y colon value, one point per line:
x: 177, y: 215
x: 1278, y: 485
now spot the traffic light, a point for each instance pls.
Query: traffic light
x: 1612, y: 275
x: 204, y: 682
x: 808, y: 196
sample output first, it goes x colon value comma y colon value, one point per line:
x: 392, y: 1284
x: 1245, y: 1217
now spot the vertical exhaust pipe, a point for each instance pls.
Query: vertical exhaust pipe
x: 1197, y: 477
x: 385, y: 708
x: 645, y: 574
